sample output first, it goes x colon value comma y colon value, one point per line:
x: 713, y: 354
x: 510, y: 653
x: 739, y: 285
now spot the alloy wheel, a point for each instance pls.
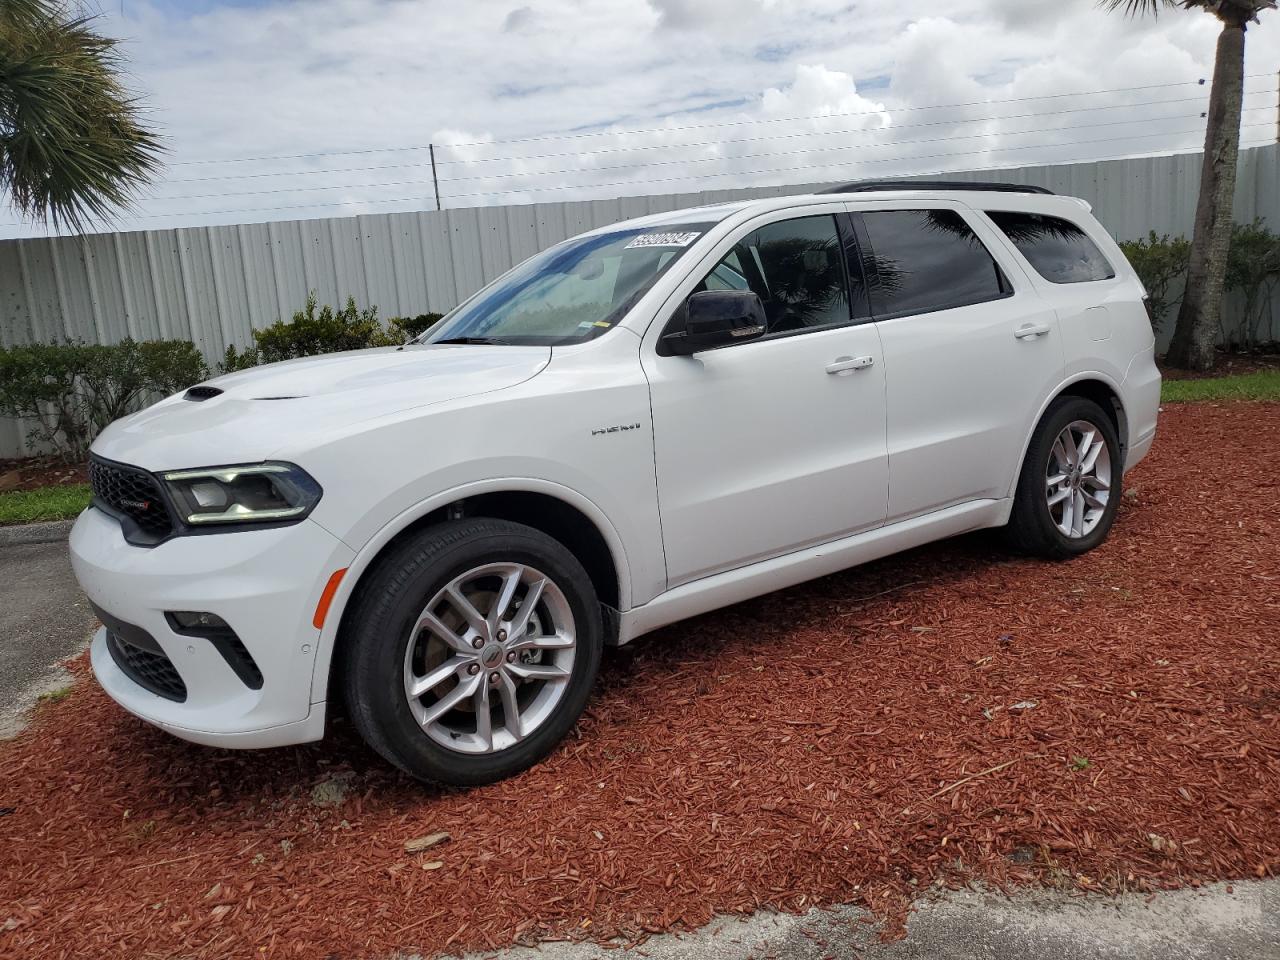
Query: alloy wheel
x: 1078, y: 479
x: 489, y: 658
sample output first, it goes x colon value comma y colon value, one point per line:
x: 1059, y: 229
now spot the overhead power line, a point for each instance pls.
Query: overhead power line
x: 842, y: 146
x: 689, y: 160
x: 418, y: 198
x: 822, y: 116
x: 700, y: 143
x: 739, y: 173
x: 828, y: 133
x: 611, y: 131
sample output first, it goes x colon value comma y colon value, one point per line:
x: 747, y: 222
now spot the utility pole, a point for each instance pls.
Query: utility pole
x: 431, y: 147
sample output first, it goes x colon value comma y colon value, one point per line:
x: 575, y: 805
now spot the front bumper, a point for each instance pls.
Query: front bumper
x: 264, y: 583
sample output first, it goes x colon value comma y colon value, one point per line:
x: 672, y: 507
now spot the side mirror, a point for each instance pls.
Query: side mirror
x: 714, y: 318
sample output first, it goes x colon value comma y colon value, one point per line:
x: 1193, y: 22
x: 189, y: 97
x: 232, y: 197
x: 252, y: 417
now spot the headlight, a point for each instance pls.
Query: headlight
x: 248, y: 493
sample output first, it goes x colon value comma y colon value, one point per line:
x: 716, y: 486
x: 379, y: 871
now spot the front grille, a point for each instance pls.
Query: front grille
x: 149, y: 669
x: 132, y: 493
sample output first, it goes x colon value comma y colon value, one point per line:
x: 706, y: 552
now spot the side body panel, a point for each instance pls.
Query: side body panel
x: 1106, y: 334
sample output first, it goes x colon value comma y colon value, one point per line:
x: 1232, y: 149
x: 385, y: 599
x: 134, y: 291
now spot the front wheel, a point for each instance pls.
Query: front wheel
x: 1069, y: 489
x: 471, y: 651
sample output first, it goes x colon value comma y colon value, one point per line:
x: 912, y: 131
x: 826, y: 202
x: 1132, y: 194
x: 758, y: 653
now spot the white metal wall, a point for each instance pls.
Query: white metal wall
x: 213, y: 285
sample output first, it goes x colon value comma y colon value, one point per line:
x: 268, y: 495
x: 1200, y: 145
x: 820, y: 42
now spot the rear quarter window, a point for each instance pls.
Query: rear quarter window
x: 1059, y: 250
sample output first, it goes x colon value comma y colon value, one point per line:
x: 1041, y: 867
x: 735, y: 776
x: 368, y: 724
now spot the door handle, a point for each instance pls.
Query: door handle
x: 849, y: 364
x: 1029, y: 331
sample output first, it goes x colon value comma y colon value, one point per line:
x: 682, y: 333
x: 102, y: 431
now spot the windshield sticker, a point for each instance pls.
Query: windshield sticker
x: 664, y: 240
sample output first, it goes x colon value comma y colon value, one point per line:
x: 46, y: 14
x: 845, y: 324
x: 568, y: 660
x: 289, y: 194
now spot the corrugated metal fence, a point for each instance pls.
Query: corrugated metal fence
x: 213, y: 285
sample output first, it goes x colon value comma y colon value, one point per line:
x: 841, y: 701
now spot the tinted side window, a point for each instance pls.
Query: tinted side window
x: 795, y: 267
x: 928, y: 260
x: 1059, y: 250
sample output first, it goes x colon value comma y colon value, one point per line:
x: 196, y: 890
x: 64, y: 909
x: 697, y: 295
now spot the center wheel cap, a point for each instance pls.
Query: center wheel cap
x: 491, y: 655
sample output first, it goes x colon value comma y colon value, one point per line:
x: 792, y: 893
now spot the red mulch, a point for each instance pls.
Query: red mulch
x: 808, y: 747
x: 30, y: 473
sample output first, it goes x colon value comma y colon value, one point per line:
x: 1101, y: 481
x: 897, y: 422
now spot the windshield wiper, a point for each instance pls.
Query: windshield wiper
x: 494, y: 341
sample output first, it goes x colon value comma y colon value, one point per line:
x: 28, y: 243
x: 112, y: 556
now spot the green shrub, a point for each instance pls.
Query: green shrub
x: 412, y: 327
x: 234, y: 359
x: 315, y: 330
x: 67, y: 392
x: 326, y: 330
x: 1253, y: 270
x: 1161, y: 264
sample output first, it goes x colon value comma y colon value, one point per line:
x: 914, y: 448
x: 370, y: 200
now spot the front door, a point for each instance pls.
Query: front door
x: 776, y: 444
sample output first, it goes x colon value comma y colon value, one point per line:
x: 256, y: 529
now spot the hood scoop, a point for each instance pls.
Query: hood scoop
x: 201, y: 393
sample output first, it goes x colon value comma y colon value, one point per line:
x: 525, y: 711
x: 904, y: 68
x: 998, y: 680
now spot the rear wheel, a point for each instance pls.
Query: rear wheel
x: 1069, y: 489
x: 471, y: 651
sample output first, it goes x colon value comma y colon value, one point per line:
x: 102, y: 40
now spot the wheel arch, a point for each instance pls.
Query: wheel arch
x: 1091, y: 385
x: 556, y: 510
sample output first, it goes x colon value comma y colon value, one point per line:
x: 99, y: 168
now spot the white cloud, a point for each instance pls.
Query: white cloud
x: 820, y: 93
x: 645, y: 97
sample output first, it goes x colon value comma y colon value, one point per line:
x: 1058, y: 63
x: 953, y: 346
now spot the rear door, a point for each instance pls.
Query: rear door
x: 970, y: 349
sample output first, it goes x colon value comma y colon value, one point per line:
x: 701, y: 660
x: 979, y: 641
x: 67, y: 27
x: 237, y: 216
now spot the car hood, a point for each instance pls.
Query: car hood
x: 264, y: 409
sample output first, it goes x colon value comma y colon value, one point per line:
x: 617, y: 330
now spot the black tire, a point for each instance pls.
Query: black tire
x: 1032, y: 528
x: 376, y: 631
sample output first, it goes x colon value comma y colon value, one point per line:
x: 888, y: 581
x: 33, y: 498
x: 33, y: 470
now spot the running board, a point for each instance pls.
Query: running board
x: 734, y: 586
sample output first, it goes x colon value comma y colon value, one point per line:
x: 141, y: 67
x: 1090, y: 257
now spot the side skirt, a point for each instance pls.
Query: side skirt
x: 734, y: 586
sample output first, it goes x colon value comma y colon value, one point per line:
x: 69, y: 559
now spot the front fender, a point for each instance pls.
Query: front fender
x: 368, y: 553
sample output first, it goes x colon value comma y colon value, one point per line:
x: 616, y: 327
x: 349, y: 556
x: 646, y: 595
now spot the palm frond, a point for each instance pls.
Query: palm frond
x: 72, y: 147
x: 26, y: 11
x: 1233, y: 11
x: 1137, y: 8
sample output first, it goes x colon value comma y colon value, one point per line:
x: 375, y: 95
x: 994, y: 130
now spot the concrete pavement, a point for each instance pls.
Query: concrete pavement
x: 43, y: 619
x: 1205, y: 924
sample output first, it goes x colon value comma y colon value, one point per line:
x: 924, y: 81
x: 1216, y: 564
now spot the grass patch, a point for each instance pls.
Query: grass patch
x: 1261, y: 385
x: 55, y: 696
x: 46, y: 503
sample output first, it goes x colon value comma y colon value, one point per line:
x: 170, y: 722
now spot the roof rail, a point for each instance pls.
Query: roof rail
x: 875, y: 186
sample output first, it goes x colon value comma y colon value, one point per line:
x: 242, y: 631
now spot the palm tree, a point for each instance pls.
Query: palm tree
x: 72, y: 147
x: 1193, y: 338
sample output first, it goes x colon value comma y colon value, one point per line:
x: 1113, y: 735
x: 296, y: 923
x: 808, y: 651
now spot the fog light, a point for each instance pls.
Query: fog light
x: 211, y: 627
x: 198, y: 622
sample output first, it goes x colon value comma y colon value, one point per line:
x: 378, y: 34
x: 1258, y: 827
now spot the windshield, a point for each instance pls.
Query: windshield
x: 572, y: 292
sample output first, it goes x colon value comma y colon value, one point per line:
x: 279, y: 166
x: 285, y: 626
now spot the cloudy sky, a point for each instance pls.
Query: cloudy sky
x: 285, y: 109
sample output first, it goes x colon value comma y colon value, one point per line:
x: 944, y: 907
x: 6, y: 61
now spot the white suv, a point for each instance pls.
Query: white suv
x: 640, y: 424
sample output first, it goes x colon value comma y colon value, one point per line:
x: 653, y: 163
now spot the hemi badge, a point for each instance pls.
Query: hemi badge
x: 616, y: 429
